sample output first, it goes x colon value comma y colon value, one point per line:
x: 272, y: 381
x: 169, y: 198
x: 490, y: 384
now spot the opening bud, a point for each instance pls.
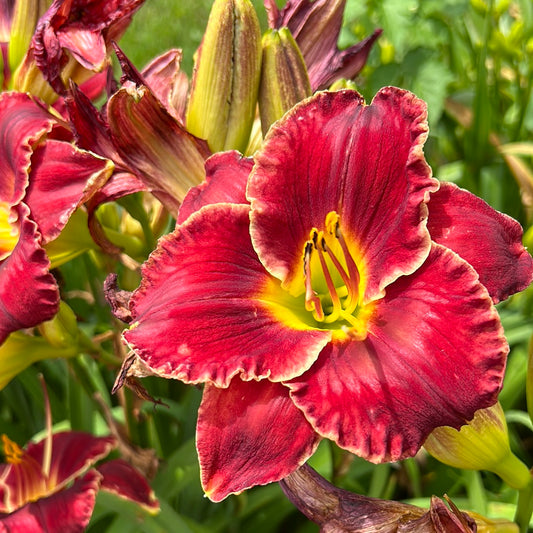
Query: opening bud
x: 482, y: 444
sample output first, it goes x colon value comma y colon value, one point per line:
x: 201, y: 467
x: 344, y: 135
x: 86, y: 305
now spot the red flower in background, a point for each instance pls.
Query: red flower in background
x: 328, y: 306
x: 43, y: 179
x: 51, y: 485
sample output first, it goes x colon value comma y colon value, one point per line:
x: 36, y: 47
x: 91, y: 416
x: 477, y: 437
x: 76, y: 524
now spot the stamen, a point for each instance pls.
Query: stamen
x: 13, y: 452
x: 47, y: 452
x: 353, y: 272
x: 312, y: 300
x: 334, y: 315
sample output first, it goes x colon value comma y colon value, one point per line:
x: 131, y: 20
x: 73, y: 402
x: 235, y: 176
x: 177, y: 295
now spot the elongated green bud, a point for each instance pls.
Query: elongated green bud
x: 482, y: 444
x: 284, y: 79
x: 25, y: 16
x: 62, y: 331
x: 226, y: 77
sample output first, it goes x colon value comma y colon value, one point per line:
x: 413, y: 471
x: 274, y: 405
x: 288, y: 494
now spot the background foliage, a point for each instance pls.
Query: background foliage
x: 471, y: 61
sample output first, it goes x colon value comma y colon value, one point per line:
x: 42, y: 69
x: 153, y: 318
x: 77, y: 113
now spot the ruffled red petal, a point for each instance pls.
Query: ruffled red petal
x: 250, y: 434
x: 435, y: 354
x: 28, y: 292
x: 490, y: 241
x: 73, y: 452
x: 200, y: 313
x: 332, y: 153
x: 68, y: 511
x: 22, y: 123
x: 226, y: 177
x: 122, y: 479
x: 62, y: 178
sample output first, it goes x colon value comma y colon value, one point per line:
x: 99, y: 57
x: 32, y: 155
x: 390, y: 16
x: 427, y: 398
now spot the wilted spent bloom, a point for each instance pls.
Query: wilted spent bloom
x: 340, y: 511
x: 325, y: 62
x: 143, y: 136
x: 47, y: 43
x: 482, y: 444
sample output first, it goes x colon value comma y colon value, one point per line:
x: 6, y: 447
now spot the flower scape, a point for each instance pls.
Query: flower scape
x: 286, y: 298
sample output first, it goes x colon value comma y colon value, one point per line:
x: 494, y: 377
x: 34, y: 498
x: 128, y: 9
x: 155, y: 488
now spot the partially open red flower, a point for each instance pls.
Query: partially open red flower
x: 82, y: 29
x: 52, y: 485
x: 323, y: 308
x: 325, y: 62
x: 43, y: 178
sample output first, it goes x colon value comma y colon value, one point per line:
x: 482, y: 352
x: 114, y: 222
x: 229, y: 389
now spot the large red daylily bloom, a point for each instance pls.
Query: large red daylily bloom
x: 51, y: 485
x: 323, y: 308
x: 325, y: 62
x: 43, y: 179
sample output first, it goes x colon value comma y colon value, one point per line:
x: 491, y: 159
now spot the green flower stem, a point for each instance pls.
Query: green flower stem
x: 91, y: 348
x: 131, y: 245
x: 413, y: 472
x: 529, y: 377
x: 524, y: 507
x: 132, y: 423
x: 133, y: 204
x: 513, y: 471
x: 476, y: 491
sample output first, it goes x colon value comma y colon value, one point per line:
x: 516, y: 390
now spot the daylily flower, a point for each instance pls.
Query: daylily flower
x: 323, y: 309
x: 51, y: 485
x: 43, y: 179
x: 325, y: 62
x: 45, y: 43
x: 338, y: 510
x: 79, y: 32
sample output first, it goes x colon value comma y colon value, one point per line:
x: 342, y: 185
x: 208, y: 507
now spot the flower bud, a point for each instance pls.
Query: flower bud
x: 284, y: 79
x: 25, y: 16
x: 62, y: 331
x: 28, y: 78
x: 482, y: 444
x: 19, y: 351
x: 226, y: 77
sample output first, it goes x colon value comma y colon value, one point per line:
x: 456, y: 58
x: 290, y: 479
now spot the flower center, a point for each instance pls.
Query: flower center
x: 329, y: 295
x: 332, y: 289
x: 332, y: 279
x: 9, y: 233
